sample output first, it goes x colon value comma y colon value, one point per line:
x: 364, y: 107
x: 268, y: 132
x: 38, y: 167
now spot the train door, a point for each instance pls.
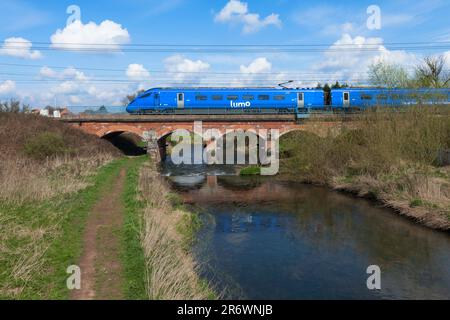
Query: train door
x: 156, y: 99
x: 346, y: 99
x: 300, y: 100
x: 180, y: 100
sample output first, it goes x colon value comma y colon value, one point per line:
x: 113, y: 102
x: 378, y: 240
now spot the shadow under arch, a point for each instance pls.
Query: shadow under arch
x: 129, y: 143
x: 165, y: 143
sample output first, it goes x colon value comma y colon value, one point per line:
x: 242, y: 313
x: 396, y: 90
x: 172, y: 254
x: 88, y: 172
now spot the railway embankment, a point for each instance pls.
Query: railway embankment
x: 393, y: 158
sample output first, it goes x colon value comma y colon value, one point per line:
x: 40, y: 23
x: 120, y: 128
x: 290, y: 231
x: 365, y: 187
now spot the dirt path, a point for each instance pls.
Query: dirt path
x: 100, y: 263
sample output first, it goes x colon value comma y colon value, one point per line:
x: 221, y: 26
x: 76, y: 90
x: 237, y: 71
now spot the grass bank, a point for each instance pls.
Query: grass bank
x: 166, y: 236
x: 49, y: 180
x: 39, y: 240
x: 132, y: 252
x: 391, y: 157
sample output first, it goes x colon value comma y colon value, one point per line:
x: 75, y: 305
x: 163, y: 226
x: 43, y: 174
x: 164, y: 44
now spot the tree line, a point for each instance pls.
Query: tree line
x: 429, y: 73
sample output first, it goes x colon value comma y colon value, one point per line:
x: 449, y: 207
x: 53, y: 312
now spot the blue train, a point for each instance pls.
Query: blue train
x: 272, y: 100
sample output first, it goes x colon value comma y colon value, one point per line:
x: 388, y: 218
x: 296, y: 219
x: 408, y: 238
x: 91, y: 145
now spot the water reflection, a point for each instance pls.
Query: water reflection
x: 269, y: 240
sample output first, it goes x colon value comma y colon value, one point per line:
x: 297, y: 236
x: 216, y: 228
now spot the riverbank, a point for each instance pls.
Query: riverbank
x: 167, y: 233
x: 391, y: 157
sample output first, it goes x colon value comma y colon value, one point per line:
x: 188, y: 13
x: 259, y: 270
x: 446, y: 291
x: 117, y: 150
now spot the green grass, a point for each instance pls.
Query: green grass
x: 250, y: 171
x: 132, y: 254
x: 66, y: 216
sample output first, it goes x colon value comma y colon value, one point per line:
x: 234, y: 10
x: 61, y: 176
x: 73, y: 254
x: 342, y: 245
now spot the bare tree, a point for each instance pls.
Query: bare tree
x: 11, y: 106
x: 382, y: 74
x: 431, y: 72
x: 131, y: 97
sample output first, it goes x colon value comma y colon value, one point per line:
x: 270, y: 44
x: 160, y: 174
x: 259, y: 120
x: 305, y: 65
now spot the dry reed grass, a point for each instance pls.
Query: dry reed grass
x: 171, y: 270
x: 23, y: 180
x: 392, y: 156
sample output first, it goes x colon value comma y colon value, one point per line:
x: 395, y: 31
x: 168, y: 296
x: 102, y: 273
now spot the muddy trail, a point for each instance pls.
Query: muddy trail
x: 101, y: 267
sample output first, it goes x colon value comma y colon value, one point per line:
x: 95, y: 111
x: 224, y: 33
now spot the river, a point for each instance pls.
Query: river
x: 265, y: 239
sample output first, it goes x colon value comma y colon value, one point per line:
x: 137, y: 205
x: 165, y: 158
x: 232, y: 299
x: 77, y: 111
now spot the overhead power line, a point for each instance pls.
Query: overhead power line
x: 151, y: 71
x: 416, y: 43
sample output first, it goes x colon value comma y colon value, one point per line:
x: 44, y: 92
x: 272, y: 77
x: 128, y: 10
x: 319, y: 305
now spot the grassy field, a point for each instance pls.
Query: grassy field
x: 392, y: 157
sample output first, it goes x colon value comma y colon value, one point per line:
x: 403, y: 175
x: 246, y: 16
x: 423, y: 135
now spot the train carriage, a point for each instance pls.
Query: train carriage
x: 363, y: 98
x: 297, y: 101
x: 226, y: 100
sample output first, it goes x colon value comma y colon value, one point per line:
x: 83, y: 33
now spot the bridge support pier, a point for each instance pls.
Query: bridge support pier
x: 151, y: 139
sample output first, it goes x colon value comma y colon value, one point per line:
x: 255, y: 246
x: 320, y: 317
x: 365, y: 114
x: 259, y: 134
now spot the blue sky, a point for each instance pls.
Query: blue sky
x: 37, y: 68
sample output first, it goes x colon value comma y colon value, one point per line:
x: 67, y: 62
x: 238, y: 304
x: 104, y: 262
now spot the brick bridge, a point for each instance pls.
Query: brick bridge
x: 155, y: 128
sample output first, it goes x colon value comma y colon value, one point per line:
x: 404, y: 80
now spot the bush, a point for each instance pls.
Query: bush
x: 46, y: 145
x: 385, y: 141
x: 249, y: 171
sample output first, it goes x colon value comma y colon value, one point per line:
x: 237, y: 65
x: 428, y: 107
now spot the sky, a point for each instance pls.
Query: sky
x: 91, y: 53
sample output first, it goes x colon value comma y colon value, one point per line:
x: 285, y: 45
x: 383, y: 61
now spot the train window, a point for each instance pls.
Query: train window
x: 232, y: 97
x: 346, y: 96
x: 156, y: 95
x: 263, y: 97
x: 217, y: 97
x: 366, y: 97
x: 146, y: 95
x: 201, y: 98
x: 300, y: 96
x: 382, y: 97
x: 248, y: 97
x: 180, y: 97
x: 279, y: 97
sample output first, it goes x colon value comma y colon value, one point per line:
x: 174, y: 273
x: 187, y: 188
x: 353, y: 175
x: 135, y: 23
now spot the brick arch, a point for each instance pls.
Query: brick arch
x: 167, y: 131
x: 283, y: 133
x: 119, y: 128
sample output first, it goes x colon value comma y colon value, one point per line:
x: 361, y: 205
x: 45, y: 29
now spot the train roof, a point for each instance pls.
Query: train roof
x: 387, y: 89
x: 229, y: 88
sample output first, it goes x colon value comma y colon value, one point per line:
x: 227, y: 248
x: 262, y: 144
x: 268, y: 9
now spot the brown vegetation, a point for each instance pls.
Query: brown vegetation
x: 171, y: 271
x: 41, y: 158
x: 391, y: 157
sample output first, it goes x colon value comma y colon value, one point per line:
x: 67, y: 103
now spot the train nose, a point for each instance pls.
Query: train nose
x: 131, y: 107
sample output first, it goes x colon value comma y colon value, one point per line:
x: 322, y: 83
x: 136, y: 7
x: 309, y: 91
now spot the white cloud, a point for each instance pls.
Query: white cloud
x: 349, y: 57
x: 66, y: 87
x: 178, y: 63
x: 181, y: 68
x: 447, y: 59
x: 19, y: 47
x: 73, y: 73
x: 108, y: 35
x: 256, y: 73
x: 7, y: 86
x: 137, y: 72
x: 68, y: 73
x: 47, y: 72
x: 236, y: 11
x: 257, y: 66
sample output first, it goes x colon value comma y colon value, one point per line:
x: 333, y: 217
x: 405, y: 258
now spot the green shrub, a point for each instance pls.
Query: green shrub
x: 46, y: 145
x: 252, y: 170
